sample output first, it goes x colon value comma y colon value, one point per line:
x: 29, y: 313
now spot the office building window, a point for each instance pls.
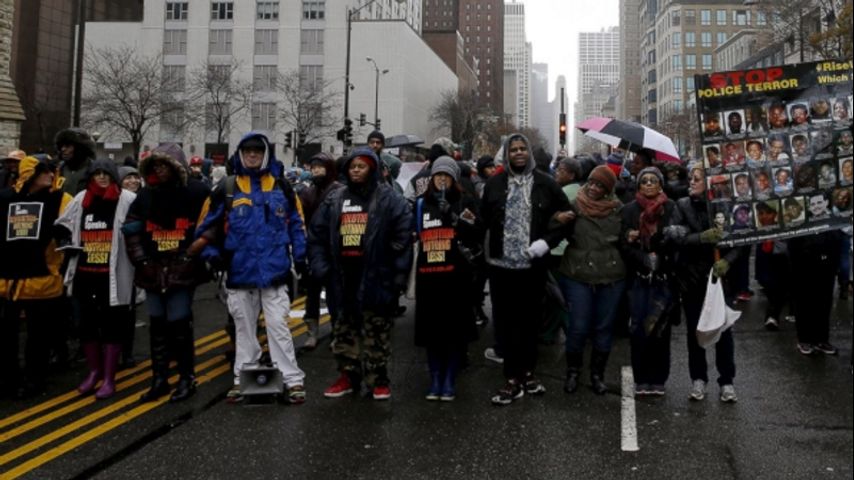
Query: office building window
x: 677, y: 85
x: 314, y: 10
x: 676, y: 61
x: 690, y: 40
x: 707, y: 61
x: 311, y: 42
x: 264, y: 116
x: 677, y: 106
x: 705, y: 17
x: 741, y: 17
x: 174, y: 77
x: 174, y: 42
x: 222, y: 10
x: 676, y: 40
x: 689, y: 84
x: 706, y: 39
x: 264, y: 78
x: 176, y: 10
x: 721, y: 38
x: 761, y: 19
x: 690, y: 61
x: 266, y: 42
x: 267, y: 11
x: 311, y: 76
x: 172, y: 122
x: 219, y: 42
x: 690, y: 17
x: 720, y: 17
x: 674, y: 18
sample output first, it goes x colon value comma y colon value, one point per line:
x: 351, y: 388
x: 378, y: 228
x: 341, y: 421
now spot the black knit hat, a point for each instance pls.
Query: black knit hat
x: 377, y: 134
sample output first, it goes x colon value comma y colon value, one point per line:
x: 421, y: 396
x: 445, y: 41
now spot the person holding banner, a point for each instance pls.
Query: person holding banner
x: 696, y: 260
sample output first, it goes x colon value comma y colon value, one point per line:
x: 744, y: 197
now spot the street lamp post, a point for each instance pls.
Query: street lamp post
x: 377, y: 94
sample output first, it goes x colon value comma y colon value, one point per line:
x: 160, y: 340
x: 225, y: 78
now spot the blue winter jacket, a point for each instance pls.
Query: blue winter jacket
x: 259, y: 228
x: 387, y: 246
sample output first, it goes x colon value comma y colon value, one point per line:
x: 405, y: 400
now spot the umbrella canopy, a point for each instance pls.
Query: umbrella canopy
x: 403, y: 141
x: 630, y: 135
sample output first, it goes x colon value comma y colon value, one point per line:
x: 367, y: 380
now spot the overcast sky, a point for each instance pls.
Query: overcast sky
x: 552, y: 26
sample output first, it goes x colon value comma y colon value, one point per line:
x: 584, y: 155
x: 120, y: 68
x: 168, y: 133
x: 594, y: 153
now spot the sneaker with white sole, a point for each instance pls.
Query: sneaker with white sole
x: 771, y: 324
x: 728, y: 394
x: 825, y: 348
x: 510, y: 392
x: 698, y: 391
x: 805, y: 348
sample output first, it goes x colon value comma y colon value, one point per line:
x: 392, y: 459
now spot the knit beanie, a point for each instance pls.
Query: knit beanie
x: 654, y: 171
x: 446, y: 164
x: 615, y: 162
x: 377, y: 134
x: 604, y: 175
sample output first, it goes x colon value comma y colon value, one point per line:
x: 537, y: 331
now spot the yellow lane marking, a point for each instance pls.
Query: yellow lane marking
x: 101, y: 429
x: 74, y: 394
x: 112, y: 407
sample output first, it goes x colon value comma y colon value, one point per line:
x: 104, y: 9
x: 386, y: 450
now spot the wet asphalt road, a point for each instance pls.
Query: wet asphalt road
x: 793, y: 420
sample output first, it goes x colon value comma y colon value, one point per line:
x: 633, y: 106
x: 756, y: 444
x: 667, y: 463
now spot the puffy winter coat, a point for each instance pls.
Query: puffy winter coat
x: 593, y: 254
x: 387, y: 244
x: 261, y: 223
x: 30, y: 264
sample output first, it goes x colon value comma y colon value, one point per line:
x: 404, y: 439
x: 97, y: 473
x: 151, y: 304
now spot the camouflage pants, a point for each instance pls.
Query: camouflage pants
x: 368, y: 333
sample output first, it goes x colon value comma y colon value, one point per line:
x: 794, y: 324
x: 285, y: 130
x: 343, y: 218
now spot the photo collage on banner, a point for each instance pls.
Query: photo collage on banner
x: 777, y: 149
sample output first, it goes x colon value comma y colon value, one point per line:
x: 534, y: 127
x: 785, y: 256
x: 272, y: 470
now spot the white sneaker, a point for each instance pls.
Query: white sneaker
x: 490, y: 354
x: 790, y: 318
x: 728, y: 394
x: 771, y: 324
x: 698, y: 391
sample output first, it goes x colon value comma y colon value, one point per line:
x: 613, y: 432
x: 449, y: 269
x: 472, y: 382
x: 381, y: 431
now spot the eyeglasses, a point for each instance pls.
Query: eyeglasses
x: 649, y: 181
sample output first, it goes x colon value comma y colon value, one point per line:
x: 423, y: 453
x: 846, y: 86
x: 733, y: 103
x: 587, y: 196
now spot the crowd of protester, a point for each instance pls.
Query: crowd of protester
x: 588, y: 246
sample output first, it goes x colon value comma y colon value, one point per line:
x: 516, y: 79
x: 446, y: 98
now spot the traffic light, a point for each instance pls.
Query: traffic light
x: 347, y: 136
x: 362, y: 119
x: 300, y: 140
x: 377, y: 126
x: 289, y: 139
x: 562, y: 129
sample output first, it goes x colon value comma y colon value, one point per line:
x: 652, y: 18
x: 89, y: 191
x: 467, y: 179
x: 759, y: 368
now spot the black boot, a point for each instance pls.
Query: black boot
x: 184, y: 350
x: 159, y: 361
x: 573, y: 368
x: 598, y: 360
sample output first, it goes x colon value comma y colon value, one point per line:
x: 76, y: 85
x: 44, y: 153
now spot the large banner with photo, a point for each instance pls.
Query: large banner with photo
x: 777, y: 147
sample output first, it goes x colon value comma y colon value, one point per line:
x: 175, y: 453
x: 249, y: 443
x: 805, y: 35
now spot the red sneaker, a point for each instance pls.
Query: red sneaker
x: 340, y: 388
x: 382, y: 392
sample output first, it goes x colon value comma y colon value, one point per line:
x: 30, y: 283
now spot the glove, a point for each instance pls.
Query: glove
x: 538, y: 249
x: 301, y: 267
x: 444, y: 205
x: 675, y: 231
x: 650, y: 261
x: 712, y: 235
x: 721, y: 267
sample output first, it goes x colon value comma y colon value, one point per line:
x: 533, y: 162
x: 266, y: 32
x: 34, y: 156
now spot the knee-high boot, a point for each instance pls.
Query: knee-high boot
x: 184, y: 351
x: 598, y: 361
x: 159, y: 361
x: 92, y: 352
x: 573, y: 368
x: 111, y: 363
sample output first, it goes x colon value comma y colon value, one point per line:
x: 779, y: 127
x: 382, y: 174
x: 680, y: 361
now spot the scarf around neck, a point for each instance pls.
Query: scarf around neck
x: 652, y: 210
x: 93, y: 190
x: 595, y: 208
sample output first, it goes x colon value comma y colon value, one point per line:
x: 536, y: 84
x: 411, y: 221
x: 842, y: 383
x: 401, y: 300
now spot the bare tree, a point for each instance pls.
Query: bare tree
x: 308, y: 106
x: 464, y: 116
x: 124, y: 93
x: 218, y: 96
x: 814, y: 29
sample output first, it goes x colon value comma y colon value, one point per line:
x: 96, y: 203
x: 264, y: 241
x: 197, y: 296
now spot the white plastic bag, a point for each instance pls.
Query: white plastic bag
x: 716, y: 316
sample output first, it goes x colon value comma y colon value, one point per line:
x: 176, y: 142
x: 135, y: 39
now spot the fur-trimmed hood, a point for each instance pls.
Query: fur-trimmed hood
x: 170, y: 153
x: 79, y: 138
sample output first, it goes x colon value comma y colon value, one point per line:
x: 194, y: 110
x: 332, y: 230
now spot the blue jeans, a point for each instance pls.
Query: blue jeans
x: 173, y: 305
x: 591, y: 313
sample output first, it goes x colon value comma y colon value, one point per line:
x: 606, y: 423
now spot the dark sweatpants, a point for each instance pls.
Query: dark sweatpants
x: 517, y: 312
x: 813, y: 294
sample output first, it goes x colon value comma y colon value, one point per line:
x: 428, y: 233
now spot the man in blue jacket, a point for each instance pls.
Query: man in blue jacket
x: 252, y: 228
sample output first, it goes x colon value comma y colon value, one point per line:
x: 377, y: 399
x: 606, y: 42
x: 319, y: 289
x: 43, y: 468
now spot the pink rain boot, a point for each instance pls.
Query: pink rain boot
x: 111, y: 362
x: 92, y: 352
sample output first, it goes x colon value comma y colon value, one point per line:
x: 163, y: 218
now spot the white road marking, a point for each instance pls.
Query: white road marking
x: 629, y: 429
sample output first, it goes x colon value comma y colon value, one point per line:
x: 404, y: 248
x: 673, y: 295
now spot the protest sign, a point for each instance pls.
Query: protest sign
x: 777, y: 149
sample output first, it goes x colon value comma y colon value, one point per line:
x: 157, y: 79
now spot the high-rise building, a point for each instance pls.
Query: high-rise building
x: 678, y: 40
x: 598, y: 76
x: 542, y: 116
x: 481, y: 24
x: 11, y: 114
x: 44, y: 57
x: 517, y: 57
x: 628, y: 102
